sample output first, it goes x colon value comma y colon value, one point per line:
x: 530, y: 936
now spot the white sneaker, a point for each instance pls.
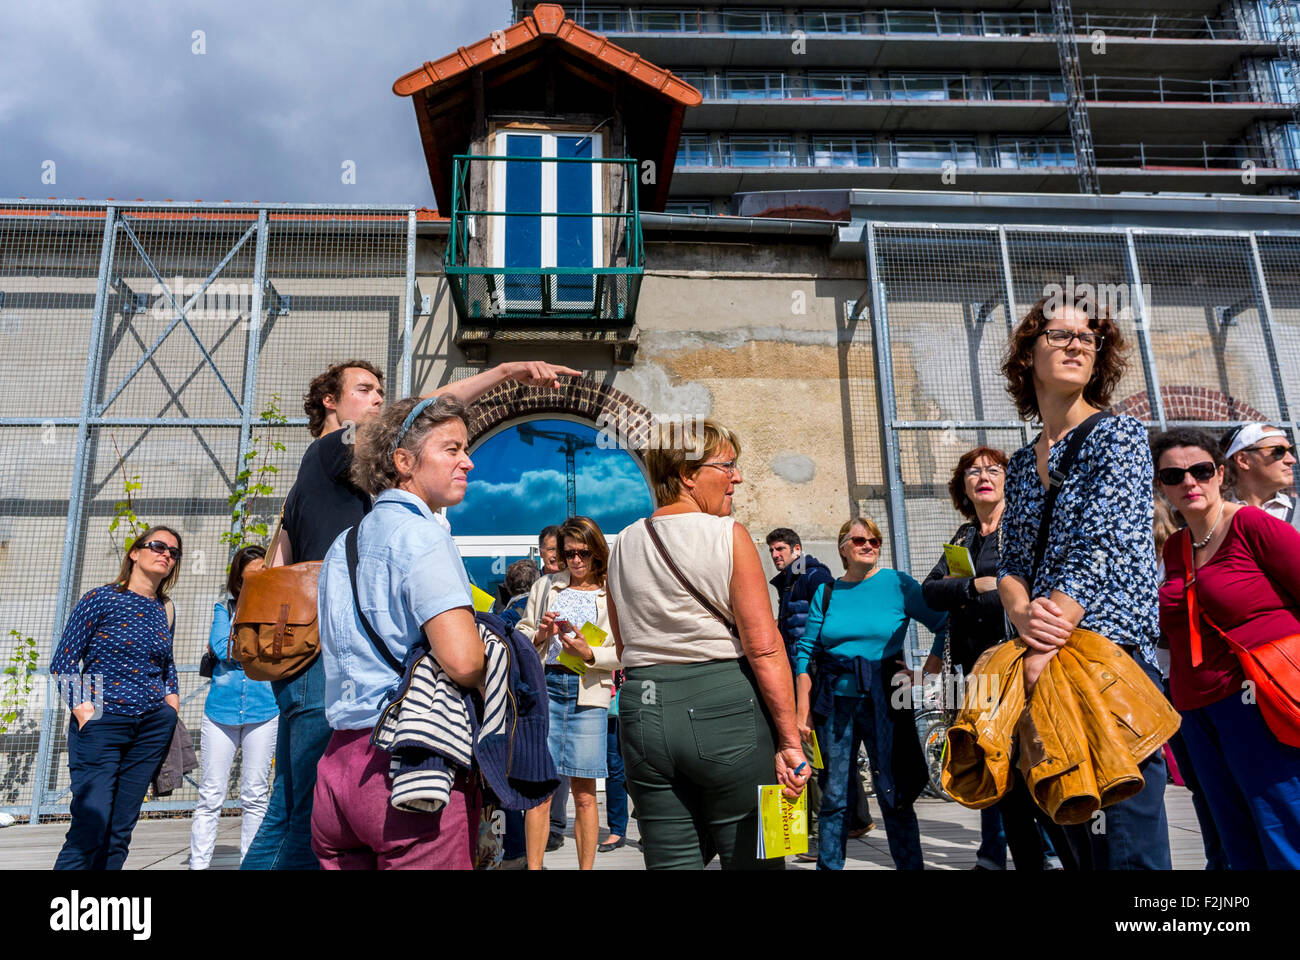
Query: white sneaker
x: 6, y: 819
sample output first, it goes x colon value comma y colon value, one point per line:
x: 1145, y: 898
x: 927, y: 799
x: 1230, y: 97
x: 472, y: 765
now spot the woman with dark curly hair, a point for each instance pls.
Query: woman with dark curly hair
x: 1098, y: 568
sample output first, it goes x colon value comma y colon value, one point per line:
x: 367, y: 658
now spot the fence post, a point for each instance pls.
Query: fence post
x: 81, y: 476
x: 1266, y: 323
x: 1009, y: 291
x: 408, y: 324
x: 885, y: 402
x: 1141, y: 322
x: 253, y: 349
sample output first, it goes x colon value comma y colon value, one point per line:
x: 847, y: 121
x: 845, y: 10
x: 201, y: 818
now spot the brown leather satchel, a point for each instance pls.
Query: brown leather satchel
x: 274, y: 634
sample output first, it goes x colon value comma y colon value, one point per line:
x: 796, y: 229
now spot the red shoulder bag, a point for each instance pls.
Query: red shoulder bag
x: 1273, y: 667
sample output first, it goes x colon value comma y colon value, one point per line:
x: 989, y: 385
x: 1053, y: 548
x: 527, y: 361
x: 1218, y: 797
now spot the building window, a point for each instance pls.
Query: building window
x: 1270, y: 17
x: 693, y: 150
x: 1291, y: 145
x: 1285, y: 82
x: 529, y: 242
x: 751, y: 151
x: 931, y: 86
x: 692, y: 207
x: 751, y: 21
x: 918, y: 152
x: 1035, y: 152
x: 755, y: 86
x: 1026, y: 87
x: 1011, y: 24
x: 921, y: 21
x: 839, y: 86
x: 843, y: 152
x: 519, y: 485
x: 832, y: 21
x: 666, y: 21
x: 601, y: 19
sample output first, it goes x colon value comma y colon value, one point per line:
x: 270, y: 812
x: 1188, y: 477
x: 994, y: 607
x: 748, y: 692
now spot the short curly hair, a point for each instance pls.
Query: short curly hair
x: 377, y: 439
x: 330, y: 384
x: 1107, y: 370
x: 957, y: 485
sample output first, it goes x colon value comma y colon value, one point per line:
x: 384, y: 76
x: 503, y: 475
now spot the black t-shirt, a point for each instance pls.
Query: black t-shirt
x: 323, y: 502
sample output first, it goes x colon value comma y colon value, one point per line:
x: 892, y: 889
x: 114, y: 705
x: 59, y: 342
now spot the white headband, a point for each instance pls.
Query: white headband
x: 1251, y: 434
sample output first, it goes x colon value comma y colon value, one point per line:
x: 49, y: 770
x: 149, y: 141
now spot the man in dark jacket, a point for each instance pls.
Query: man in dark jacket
x: 796, y: 581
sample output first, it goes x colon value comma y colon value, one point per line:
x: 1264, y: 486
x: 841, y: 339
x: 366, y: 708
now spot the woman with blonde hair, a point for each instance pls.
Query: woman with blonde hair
x: 706, y: 713
x: 559, y: 605
x: 855, y: 633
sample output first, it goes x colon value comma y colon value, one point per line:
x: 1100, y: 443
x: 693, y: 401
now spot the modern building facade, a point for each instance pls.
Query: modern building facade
x: 1174, y: 96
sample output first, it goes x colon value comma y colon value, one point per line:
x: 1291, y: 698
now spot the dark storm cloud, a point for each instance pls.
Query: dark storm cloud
x: 284, y: 94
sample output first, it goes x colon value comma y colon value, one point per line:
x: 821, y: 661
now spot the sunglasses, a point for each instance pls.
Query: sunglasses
x: 574, y: 554
x: 1173, y: 476
x: 158, y: 547
x: 1274, y: 452
x: 873, y: 542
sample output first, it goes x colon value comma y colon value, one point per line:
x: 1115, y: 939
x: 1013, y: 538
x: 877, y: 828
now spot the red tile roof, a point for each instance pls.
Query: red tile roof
x: 547, y: 21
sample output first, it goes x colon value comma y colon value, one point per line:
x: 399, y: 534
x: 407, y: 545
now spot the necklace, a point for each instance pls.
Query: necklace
x: 1197, y: 544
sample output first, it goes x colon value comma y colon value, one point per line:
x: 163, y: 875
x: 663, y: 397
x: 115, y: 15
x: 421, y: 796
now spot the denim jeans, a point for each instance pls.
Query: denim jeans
x: 1251, y: 782
x: 615, y: 789
x: 1215, y: 857
x: 112, y: 760
x: 992, y: 854
x: 1134, y: 833
x: 850, y: 722
x: 284, y: 840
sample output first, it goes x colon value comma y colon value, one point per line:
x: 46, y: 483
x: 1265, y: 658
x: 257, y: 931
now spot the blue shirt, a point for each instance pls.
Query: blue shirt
x: 1100, y: 551
x: 234, y: 699
x: 123, y: 638
x: 408, y: 572
x: 867, y: 619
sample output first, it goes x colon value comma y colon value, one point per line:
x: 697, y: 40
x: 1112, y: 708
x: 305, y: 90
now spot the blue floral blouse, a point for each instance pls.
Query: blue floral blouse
x: 1100, y: 549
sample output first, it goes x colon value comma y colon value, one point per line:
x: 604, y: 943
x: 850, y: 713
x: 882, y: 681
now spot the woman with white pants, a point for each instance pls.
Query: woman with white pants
x: 239, y: 713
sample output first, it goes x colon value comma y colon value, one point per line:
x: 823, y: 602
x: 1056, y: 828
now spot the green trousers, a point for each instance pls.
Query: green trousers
x: 697, y: 743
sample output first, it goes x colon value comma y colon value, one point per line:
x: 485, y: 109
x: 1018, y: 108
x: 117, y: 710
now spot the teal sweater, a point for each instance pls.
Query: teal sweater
x: 867, y: 619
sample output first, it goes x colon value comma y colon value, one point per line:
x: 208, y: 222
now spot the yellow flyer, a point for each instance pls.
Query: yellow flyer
x: 482, y: 599
x: 595, y: 637
x: 959, y: 561
x: 815, y: 753
x: 782, y: 823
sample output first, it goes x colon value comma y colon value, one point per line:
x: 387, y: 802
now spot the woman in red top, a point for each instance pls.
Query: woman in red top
x: 1247, y: 568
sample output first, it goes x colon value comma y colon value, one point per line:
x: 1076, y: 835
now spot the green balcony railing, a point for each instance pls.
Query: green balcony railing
x: 489, y: 293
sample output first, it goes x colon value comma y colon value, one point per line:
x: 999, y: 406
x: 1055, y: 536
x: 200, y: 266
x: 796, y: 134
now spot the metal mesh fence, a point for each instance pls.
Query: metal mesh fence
x: 157, y: 346
x: 147, y: 342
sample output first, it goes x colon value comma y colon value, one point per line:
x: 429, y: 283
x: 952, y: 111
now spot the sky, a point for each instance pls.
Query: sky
x: 519, y: 489
x: 114, y: 95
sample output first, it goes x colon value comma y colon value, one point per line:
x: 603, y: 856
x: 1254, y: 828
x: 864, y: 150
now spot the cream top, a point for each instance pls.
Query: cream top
x: 658, y: 620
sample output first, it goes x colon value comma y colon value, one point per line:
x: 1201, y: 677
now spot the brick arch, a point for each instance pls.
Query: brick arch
x: 1191, y: 403
x: 577, y: 397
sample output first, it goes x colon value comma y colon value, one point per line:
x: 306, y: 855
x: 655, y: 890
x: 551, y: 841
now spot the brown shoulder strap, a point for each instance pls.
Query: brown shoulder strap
x: 686, y: 584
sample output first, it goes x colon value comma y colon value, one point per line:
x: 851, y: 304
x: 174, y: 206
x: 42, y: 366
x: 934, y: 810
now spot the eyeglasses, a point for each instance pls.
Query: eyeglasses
x: 1173, y: 476
x: 1272, y: 452
x: 993, y: 472
x: 728, y: 466
x: 572, y: 554
x: 1063, y: 338
x: 158, y: 547
x: 872, y: 542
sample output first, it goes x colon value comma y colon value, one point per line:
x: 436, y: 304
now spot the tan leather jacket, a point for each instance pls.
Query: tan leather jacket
x: 1091, y: 718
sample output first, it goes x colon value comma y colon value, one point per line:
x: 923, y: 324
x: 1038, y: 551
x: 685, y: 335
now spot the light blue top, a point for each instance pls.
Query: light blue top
x: 233, y: 699
x: 867, y: 619
x: 408, y: 572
